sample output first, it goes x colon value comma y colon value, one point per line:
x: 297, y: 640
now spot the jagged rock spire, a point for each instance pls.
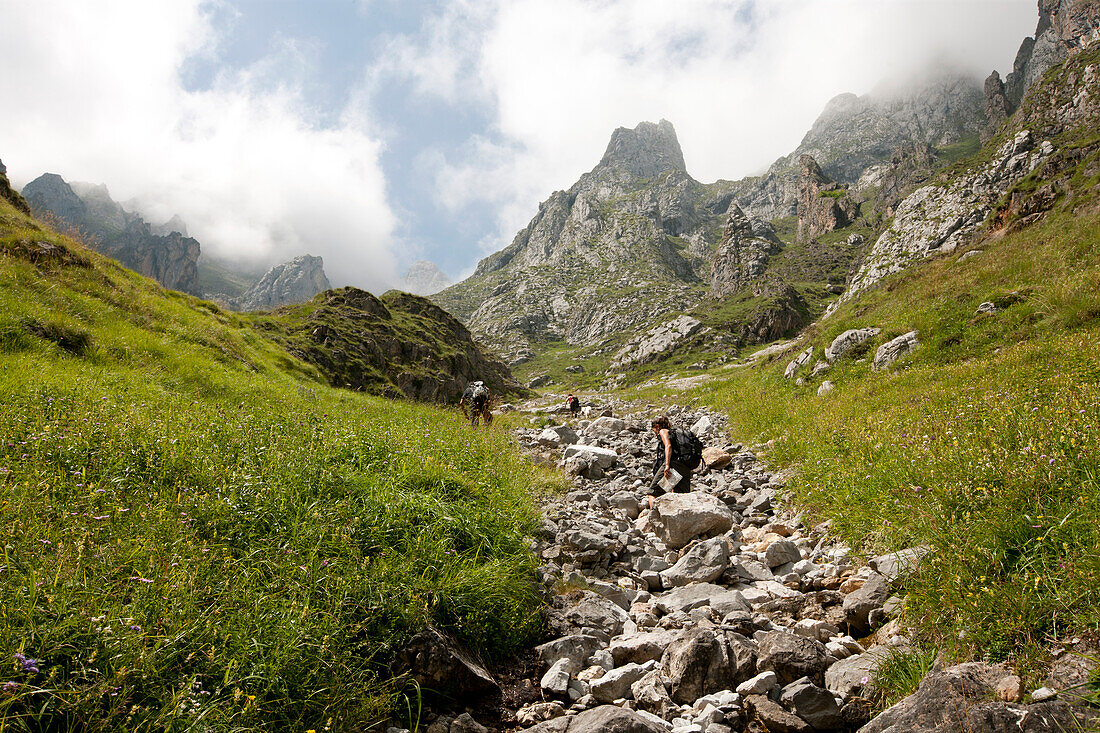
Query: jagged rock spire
x: 646, y: 151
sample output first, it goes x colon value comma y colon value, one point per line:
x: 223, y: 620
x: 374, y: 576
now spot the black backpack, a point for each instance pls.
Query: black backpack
x: 686, y: 447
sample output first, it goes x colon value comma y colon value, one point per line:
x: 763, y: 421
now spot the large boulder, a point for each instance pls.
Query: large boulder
x: 439, y: 664
x: 772, y: 717
x: 849, y: 340
x: 704, y: 562
x: 694, y: 596
x: 696, y: 664
x: 575, y: 647
x: 854, y: 674
x: 716, y: 458
x: 792, y: 656
x: 615, y: 683
x: 813, y: 704
x: 651, y: 694
x: 894, y: 565
x: 640, y: 648
x: 602, y: 719
x: 680, y: 518
x: 894, y: 349
x: 859, y: 603
x: 963, y: 698
x: 603, y: 457
x: 591, y: 614
x: 798, y: 362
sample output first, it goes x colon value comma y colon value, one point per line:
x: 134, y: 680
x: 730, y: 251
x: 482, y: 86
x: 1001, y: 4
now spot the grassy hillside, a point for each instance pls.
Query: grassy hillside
x: 984, y: 444
x: 198, y: 533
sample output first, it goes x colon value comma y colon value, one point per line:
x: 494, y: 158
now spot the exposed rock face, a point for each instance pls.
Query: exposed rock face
x: 742, y: 254
x: 854, y: 133
x: 997, y: 105
x: 396, y: 345
x: 175, y: 224
x: 1065, y: 27
x: 630, y: 241
x: 291, y: 282
x: 424, y: 278
x: 656, y: 342
x: 938, y: 218
x: 963, y: 697
x: 9, y: 194
x: 105, y: 226
x: 822, y: 205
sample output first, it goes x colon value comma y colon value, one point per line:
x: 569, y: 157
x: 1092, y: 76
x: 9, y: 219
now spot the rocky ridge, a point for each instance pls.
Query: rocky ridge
x: 89, y: 212
x: 424, y: 278
x: 1045, y: 141
x: 291, y: 282
x: 9, y: 194
x: 630, y: 241
x: 719, y: 610
x: 399, y: 345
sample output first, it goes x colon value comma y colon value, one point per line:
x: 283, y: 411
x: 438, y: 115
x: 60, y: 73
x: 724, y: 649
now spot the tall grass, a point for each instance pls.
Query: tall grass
x: 198, y: 535
x: 984, y: 445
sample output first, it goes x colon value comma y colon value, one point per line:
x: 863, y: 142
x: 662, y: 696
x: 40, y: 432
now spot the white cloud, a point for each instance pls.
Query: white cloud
x: 741, y: 81
x: 93, y: 91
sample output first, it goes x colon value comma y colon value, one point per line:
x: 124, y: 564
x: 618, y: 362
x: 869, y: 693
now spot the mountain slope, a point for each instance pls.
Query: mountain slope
x: 629, y: 241
x: 89, y: 211
x: 200, y: 534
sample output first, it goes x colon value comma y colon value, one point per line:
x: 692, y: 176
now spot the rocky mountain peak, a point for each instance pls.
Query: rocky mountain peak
x: 646, y: 151
x: 424, y: 278
x: 49, y: 193
x: 291, y: 282
x: 1065, y: 27
x: 111, y: 230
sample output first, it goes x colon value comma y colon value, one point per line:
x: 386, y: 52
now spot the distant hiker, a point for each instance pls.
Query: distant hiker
x: 679, y: 451
x: 478, y: 397
x: 573, y: 404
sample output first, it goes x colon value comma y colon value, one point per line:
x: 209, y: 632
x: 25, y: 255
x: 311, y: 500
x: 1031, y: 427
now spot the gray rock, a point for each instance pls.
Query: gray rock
x: 898, y: 564
x: 603, y: 457
x: 424, y: 278
x: 607, y: 426
x: 681, y: 518
x: 575, y: 647
x: 781, y: 552
x: 894, y: 349
x: 774, y: 718
x: 438, y: 663
x: 557, y: 678
x: 696, y: 664
x: 641, y: 648
x: 651, y: 695
x: 704, y: 562
x: 465, y: 723
x: 791, y: 656
x: 825, y: 388
x: 295, y: 281
x: 616, y: 683
x: 964, y: 698
x: 845, y: 677
x: 798, y: 362
x: 656, y: 342
x: 849, y: 340
x: 538, y: 712
x: 813, y: 704
x: 595, y: 615
x: 602, y: 719
x: 761, y: 684
x: 860, y: 603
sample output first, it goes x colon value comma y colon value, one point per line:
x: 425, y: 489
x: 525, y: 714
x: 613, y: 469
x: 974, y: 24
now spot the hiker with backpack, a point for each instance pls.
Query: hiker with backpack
x: 477, y: 395
x: 573, y: 405
x: 679, y: 452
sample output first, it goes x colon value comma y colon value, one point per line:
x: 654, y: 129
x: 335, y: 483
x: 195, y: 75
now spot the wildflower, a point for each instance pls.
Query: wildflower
x: 863, y: 680
x: 28, y: 664
x: 135, y: 627
x: 11, y: 686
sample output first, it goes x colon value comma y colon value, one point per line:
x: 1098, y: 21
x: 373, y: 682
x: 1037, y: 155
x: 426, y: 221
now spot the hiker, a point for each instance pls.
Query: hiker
x: 573, y: 404
x: 478, y: 397
x: 678, y: 450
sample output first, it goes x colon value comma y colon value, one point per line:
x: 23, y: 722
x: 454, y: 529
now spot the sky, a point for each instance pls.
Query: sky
x: 378, y: 132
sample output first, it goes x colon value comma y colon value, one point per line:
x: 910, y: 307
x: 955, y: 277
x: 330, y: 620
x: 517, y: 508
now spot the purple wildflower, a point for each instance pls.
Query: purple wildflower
x: 28, y: 664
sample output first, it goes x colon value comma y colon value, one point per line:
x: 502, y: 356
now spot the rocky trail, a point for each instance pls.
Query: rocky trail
x: 721, y: 609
